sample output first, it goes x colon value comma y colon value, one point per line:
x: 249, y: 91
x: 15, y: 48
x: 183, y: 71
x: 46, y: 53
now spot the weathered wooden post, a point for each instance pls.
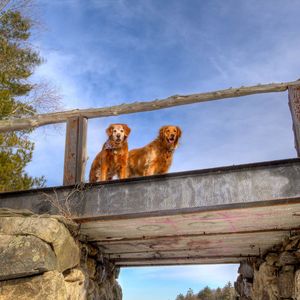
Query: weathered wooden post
x: 75, y: 151
x: 294, y: 103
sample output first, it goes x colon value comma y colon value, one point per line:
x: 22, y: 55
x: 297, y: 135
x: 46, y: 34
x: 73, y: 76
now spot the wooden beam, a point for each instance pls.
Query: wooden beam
x: 294, y: 103
x: 75, y: 151
x: 59, y: 117
x: 81, y: 149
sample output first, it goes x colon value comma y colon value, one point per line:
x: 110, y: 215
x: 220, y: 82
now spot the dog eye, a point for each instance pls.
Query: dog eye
x: 115, y: 130
x: 122, y: 130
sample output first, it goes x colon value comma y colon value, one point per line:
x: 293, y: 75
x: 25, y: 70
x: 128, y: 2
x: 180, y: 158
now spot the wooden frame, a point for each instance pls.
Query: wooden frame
x: 294, y: 103
x: 75, y: 150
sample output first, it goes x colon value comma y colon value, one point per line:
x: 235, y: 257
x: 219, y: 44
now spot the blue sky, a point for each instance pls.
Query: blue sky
x: 107, y: 52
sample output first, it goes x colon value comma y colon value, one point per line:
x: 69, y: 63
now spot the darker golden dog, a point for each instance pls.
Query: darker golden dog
x: 112, y: 159
x: 156, y: 157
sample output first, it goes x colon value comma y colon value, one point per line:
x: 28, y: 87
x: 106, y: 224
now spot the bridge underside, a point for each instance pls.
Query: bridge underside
x: 217, y: 236
x: 221, y: 215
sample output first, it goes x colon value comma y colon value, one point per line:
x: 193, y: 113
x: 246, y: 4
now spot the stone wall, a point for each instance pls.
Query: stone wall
x: 276, y: 275
x: 40, y: 258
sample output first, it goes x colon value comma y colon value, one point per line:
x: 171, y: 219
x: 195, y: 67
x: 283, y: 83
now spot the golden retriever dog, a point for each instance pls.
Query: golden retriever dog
x: 156, y: 157
x: 112, y: 159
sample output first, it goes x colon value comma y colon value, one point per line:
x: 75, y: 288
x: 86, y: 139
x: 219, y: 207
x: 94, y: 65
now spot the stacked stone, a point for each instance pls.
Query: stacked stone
x: 102, y: 275
x: 40, y: 259
x: 274, y: 276
x: 244, y: 282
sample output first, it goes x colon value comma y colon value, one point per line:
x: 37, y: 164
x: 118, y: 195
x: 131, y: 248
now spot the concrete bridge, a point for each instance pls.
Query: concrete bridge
x: 220, y: 215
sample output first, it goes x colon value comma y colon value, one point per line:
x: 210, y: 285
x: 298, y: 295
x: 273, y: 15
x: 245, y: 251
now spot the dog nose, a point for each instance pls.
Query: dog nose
x: 172, y: 135
x: 118, y: 135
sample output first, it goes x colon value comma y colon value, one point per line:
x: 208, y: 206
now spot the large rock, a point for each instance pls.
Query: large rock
x: 49, y: 286
x: 24, y: 256
x: 246, y: 269
x: 91, y: 268
x: 297, y: 285
x: 93, y: 290
x: 49, y: 230
x: 265, y: 285
x: 293, y: 244
x: 272, y: 259
x: 110, y: 290
x: 31, y: 244
x: 76, y: 284
x: 243, y: 288
x: 286, y: 282
x: 287, y: 258
x: 276, y: 274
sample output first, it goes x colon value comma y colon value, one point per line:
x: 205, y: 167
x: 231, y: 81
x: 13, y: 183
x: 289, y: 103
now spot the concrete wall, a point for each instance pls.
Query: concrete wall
x: 41, y: 258
x: 276, y: 275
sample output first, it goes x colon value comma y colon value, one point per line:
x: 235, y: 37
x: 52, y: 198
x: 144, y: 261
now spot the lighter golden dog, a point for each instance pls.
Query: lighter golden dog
x: 112, y: 159
x: 156, y: 157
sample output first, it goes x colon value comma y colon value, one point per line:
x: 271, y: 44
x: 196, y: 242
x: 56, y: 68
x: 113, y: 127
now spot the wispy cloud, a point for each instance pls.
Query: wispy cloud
x: 107, y: 52
x: 111, y: 52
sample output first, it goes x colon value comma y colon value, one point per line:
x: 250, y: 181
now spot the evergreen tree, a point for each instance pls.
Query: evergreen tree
x: 218, y: 294
x: 180, y: 297
x: 228, y: 291
x: 205, y: 294
x: 17, y: 62
x: 189, y: 295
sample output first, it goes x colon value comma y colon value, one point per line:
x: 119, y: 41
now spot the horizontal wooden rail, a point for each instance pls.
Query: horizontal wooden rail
x: 59, y: 117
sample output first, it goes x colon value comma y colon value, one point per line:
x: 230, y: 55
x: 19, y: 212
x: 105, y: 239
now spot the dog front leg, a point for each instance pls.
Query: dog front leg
x: 148, y: 171
x: 123, y: 172
x: 104, y: 170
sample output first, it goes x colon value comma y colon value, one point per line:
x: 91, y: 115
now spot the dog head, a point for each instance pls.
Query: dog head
x: 170, y: 135
x: 118, y: 133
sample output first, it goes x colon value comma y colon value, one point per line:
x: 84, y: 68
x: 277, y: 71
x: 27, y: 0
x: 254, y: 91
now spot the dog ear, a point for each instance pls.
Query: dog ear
x: 126, y: 129
x: 109, y: 130
x: 162, y: 132
x: 179, y: 132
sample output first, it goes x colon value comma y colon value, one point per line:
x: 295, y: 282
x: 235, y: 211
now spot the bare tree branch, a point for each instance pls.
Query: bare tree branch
x: 3, y: 5
x: 66, y: 205
x: 44, y: 97
x: 15, y: 5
